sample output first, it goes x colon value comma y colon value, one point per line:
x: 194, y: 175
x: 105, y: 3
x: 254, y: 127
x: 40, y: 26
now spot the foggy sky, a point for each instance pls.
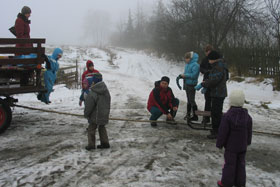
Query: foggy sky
x: 62, y: 21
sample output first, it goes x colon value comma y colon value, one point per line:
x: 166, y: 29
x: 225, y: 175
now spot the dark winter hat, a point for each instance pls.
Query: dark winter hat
x: 25, y: 10
x: 166, y: 79
x: 97, y: 77
x: 214, y: 55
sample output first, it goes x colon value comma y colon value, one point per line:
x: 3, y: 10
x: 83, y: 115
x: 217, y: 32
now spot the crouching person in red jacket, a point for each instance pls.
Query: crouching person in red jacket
x: 162, y: 101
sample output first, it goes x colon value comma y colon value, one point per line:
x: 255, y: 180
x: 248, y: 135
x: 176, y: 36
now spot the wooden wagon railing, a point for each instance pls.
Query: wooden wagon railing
x: 13, y: 69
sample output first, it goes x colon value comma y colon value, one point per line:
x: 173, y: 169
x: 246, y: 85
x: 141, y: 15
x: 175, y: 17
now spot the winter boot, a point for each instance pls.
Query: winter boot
x: 89, y: 148
x: 188, y: 115
x: 153, y: 124
x: 103, y: 146
x: 171, y: 121
x: 220, y: 184
x: 39, y: 96
x: 213, y: 134
x: 205, y: 120
x: 194, y: 117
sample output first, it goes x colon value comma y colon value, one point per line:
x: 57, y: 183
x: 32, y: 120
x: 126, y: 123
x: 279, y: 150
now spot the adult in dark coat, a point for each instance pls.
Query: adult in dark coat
x: 162, y: 101
x: 235, y: 134
x: 22, y: 29
x: 217, y: 83
x: 205, y: 68
x: 22, y: 26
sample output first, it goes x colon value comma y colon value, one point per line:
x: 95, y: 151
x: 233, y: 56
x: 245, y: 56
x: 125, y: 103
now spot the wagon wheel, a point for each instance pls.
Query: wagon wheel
x: 5, y: 116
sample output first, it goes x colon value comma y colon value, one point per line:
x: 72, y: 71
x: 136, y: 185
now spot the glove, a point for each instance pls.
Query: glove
x: 45, y: 57
x: 177, y: 82
x: 198, y: 87
x: 203, y: 91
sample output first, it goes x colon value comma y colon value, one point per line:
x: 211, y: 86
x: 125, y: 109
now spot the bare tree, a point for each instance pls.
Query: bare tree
x: 140, y: 26
x: 97, y: 27
x: 274, y: 10
x: 212, y: 21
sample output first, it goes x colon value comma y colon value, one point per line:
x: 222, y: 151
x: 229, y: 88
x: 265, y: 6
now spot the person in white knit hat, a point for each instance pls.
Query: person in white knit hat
x: 237, y: 98
x: 235, y: 134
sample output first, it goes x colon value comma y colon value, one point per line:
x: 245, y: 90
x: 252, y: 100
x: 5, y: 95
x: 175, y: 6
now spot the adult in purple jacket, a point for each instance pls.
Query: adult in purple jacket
x: 235, y: 134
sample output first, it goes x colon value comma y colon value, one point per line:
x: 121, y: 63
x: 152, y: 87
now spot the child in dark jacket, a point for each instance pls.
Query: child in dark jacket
x: 235, y: 134
x: 97, y: 110
x: 216, y: 81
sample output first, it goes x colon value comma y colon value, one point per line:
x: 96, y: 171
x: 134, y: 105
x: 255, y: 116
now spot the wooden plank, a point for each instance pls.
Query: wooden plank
x: 202, y: 113
x: 21, y: 40
x: 25, y: 89
x: 66, y: 68
x: 21, y: 61
x: 16, y: 68
x: 67, y: 74
x: 21, y: 50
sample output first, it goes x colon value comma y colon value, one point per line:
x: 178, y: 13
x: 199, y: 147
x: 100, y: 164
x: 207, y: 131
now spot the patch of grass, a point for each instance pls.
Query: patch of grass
x: 257, y: 79
x: 237, y: 78
x: 149, y: 165
x: 265, y: 104
x: 276, y: 84
x: 260, y: 78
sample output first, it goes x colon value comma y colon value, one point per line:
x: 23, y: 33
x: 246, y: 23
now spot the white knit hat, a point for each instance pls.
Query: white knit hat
x: 237, y: 98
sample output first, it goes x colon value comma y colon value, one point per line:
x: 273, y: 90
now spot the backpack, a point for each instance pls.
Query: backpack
x: 13, y: 30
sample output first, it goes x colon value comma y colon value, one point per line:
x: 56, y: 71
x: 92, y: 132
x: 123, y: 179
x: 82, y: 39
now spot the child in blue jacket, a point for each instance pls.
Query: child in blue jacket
x: 190, y: 77
x: 52, y: 67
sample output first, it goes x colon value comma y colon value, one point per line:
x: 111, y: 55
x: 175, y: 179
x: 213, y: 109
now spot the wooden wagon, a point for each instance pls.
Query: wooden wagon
x: 20, y: 72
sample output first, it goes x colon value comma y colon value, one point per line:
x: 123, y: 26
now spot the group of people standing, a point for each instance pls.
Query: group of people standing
x: 213, y: 87
x: 233, y: 130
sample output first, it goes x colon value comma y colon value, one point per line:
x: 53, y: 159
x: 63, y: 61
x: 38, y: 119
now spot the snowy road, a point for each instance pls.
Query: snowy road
x: 42, y: 149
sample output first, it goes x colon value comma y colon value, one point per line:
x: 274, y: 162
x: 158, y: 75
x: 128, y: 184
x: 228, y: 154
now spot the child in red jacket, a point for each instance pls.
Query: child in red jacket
x: 90, y: 70
x: 87, y: 75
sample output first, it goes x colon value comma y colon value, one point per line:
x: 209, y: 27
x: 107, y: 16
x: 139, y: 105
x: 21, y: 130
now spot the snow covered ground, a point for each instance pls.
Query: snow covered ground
x: 43, y: 149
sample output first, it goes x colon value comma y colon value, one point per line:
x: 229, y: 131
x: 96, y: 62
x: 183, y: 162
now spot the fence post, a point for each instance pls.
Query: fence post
x: 76, y: 74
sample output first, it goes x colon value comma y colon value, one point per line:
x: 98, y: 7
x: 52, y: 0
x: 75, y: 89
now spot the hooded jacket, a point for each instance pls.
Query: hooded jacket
x: 97, y: 104
x: 192, y: 71
x: 88, y: 72
x: 52, y: 68
x: 216, y: 81
x: 235, y: 131
x: 205, y: 68
x: 22, y: 29
x: 161, y: 98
